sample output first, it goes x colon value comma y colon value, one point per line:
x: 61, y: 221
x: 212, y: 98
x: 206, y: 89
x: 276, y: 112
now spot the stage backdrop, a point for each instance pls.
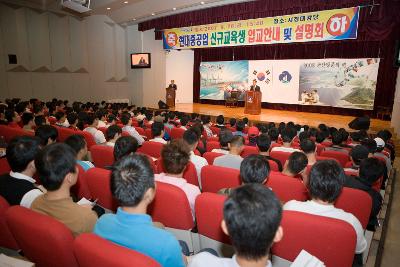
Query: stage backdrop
x: 345, y: 83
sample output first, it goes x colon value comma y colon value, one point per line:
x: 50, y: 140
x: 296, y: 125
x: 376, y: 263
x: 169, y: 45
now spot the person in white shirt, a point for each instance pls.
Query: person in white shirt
x: 287, y: 135
x: 192, y: 140
x: 225, y: 137
x: 127, y: 122
x: 112, y: 134
x: 157, y: 130
x: 251, y: 212
x: 325, y: 184
x: 175, y: 158
x: 100, y: 114
x: 98, y: 135
x: 18, y: 187
x: 233, y: 159
x: 206, y: 120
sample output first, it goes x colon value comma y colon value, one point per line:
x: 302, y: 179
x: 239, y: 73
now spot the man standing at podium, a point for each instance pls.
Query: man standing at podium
x: 255, y: 87
x: 172, y: 85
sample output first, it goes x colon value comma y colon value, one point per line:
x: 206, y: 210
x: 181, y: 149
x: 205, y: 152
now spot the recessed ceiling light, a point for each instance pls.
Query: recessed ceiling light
x: 108, y: 8
x: 152, y: 14
x: 133, y: 19
x: 174, y: 8
x: 202, y: 3
x: 126, y: 2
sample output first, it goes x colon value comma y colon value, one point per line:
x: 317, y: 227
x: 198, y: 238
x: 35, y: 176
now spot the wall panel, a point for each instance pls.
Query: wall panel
x: 59, y: 40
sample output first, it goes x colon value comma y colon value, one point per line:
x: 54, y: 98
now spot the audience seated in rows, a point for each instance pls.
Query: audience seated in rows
x: 133, y: 185
x: 240, y: 125
x: 357, y: 154
x: 19, y: 187
x: 98, y: 135
x: 127, y: 122
x: 253, y: 169
x: 225, y: 137
x: 337, y: 140
x: 175, y: 157
x: 112, y: 134
x: 124, y: 146
x: 296, y: 166
x: 264, y: 144
x: 192, y: 139
x: 157, y: 130
x: 56, y: 166
x: 233, y: 159
x: 78, y: 144
x: 310, y: 150
x: 287, y: 135
x: 47, y: 134
x: 28, y: 121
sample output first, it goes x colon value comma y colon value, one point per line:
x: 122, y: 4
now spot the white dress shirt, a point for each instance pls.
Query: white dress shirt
x: 198, y: 162
x: 97, y: 135
x: 132, y: 131
x: 159, y: 140
x: 30, y: 196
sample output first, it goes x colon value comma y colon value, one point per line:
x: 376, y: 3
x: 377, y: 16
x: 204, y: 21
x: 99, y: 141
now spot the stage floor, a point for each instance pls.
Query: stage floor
x: 270, y: 115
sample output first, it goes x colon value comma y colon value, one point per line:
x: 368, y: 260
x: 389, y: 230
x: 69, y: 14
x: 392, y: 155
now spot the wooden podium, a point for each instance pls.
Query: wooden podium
x: 170, y: 96
x: 252, y: 103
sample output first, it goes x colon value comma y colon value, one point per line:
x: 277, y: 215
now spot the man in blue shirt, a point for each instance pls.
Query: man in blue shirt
x: 132, y: 183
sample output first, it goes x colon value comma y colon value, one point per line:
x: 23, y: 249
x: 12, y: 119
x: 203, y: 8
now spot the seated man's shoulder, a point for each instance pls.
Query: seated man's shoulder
x: 294, y: 205
x: 207, y: 259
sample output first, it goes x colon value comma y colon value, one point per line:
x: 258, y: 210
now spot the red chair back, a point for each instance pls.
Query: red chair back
x: 212, y: 145
x: 92, y: 251
x: 140, y: 130
x: 177, y: 133
x: 331, y: 240
x: 320, y: 148
x: 88, y: 138
x: 249, y: 150
x: 153, y: 149
x: 210, y: 156
x: 7, y: 240
x: 37, y: 234
x: 64, y: 133
x: 287, y: 188
x: 214, y: 178
x: 102, y: 155
x: 9, y: 132
x: 81, y: 188
x: 356, y: 202
x: 209, y: 214
x: 98, y: 181
x: 4, y: 166
x: 103, y: 130
x: 148, y: 133
x: 273, y: 166
x: 171, y: 207
x: 342, y: 158
x: 281, y: 156
x: 190, y: 173
x: 215, y: 130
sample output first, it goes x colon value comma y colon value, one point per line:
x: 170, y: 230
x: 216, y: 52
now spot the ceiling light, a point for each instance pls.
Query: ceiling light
x: 108, y: 8
x: 202, y: 2
x: 126, y: 2
x: 133, y: 19
x: 174, y: 8
x: 152, y: 14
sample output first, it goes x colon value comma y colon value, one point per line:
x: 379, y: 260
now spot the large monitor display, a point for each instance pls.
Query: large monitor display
x: 140, y: 60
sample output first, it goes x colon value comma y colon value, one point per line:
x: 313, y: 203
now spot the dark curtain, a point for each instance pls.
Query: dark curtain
x: 379, y: 27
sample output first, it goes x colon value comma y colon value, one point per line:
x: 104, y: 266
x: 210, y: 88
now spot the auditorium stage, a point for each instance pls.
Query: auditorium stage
x: 270, y: 115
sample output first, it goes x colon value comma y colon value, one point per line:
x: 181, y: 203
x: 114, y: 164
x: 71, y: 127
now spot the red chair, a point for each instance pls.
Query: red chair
x: 148, y: 133
x: 93, y: 251
x: 190, y: 173
x: 88, y: 138
x: 377, y: 185
x: 214, y: 178
x: 320, y: 148
x: 177, y: 133
x: 44, y: 240
x: 103, y: 130
x: 153, y: 149
x: 342, y: 158
x: 210, y: 156
x: 9, y: 132
x: 249, y: 150
x: 81, y: 188
x: 98, y: 181
x: 171, y: 207
x: 212, y: 145
x: 140, y: 130
x: 356, y: 202
x: 273, y: 166
x: 331, y: 240
x: 212, y: 138
x: 52, y: 120
x: 281, y: 156
x: 287, y: 188
x: 215, y: 130
x: 4, y: 166
x: 209, y: 214
x: 6, y: 238
x: 64, y: 133
x: 102, y: 155
x: 326, y: 144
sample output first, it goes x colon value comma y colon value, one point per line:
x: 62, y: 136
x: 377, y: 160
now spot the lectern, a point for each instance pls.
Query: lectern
x: 252, y: 103
x: 170, y: 96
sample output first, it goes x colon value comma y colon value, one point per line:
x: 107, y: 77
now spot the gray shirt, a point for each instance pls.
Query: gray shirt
x: 229, y: 161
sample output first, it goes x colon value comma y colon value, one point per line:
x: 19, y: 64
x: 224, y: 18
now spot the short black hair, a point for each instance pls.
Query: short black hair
x: 20, y: 151
x: 304, y: 135
x: 26, y: 118
x: 220, y: 119
x: 190, y: 137
x: 185, y: 120
x: 252, y: 214
x: 297, y: 162
x: 273, y: 134
x: 111, y: 118
x: 240, y: 126
x: 326, y: 180
x: 124, y: 146
x: 40, y: 120
x: 205, y: 119
x: 59, y: 115
x: 157, y: 128
x: 44, y: 132
x: 175, y: 156
x: 53, y: 163
x: 254, y: 169
x: 371, y: 169
x: 72, y: 117
x: 225, y: 137
x: 125, y: 119
x: 90, y: 118
x: 359, y: 153
x: 112, y: 131
x: 385, y: 135
x: 286, y: 135
x: 337, y: 138
x: 232, y: 122
x: 9, y: 114
x: 131, y: 177
x: 245, y: 120
x: 370, y: 144
x: 263, y: 142
x: 76, y: 141
x: 307, y: 146
x: 237, y: 141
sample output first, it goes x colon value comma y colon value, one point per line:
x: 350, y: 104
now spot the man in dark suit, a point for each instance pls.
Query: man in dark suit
x: 255, y: 87
x: 172, y: 85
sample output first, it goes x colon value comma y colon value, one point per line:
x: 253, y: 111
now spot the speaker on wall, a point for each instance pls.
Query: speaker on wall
x: 12, y: 59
